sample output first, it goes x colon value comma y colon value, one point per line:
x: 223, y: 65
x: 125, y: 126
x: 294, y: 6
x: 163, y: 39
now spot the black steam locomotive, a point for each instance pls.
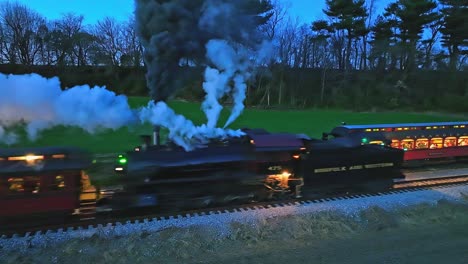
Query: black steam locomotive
x: 260, y: 164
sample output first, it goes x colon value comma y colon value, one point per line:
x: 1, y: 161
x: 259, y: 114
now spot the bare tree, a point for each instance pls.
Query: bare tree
x: 287, y: 42
x: 132, y: 51
x: 3, y: 45
x: 68, y: 29
x: 20, y: 25
x: 279, y: 14
x: 109, y: 39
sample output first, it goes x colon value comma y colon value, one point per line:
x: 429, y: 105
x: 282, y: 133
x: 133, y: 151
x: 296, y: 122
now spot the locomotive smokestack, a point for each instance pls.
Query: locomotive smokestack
x: 156, y: 136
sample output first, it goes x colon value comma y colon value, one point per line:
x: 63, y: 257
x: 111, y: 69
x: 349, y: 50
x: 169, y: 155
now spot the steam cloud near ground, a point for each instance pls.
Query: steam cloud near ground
x: 39, y: 103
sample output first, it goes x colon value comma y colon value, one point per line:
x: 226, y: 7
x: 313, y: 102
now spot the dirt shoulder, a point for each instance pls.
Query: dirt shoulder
x: 418, y: 234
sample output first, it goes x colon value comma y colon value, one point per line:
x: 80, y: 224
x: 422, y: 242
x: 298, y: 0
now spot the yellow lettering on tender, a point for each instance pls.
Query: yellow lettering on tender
x: 356, y: 167
x: 334, y: 169
x: 378, y: 165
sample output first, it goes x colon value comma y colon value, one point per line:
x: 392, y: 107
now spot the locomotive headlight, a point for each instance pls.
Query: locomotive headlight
x: 284, y: 178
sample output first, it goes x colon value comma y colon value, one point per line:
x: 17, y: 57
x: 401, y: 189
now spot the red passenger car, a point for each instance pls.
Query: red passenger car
x: 421, y: 141
x: 41, y: 182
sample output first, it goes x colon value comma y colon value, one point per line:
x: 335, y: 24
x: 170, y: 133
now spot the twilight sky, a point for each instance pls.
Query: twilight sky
x: 94, y: 10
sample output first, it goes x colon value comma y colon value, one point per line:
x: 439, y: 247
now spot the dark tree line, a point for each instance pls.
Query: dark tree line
x: 409, y: 35
x: 413, y: 54
x: 354, y: 57
x: 28, y: 38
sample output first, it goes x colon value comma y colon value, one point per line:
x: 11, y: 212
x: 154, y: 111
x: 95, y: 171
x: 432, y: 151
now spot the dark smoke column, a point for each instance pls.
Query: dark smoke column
x: 164, y: 28
x: 166, y: 31
x: 172, y: 31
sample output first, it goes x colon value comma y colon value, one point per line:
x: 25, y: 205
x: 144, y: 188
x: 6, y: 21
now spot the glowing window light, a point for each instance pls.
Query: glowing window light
x: 58, y: 156
x: 27, y: 158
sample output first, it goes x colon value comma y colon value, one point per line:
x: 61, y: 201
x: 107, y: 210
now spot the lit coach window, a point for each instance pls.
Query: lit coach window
x: 29, y: 159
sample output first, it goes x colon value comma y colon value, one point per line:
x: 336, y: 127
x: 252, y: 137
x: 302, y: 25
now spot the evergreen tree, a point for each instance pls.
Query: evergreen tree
x: 381, y: 42
x: 411, y: 17
x: 349, y: 16
x: 455, y: 29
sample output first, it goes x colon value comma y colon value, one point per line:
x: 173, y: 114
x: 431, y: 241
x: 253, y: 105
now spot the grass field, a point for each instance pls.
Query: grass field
x: 312, y: 122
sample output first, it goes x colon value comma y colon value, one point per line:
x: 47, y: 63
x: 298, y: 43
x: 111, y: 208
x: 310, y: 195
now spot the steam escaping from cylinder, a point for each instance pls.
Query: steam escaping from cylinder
x: 40, y: 103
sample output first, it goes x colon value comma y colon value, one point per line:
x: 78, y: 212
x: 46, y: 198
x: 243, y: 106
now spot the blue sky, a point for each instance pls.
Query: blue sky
x: 94, y: 10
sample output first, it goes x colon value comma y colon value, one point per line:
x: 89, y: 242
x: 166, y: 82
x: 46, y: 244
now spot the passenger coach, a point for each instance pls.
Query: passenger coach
x: 421, y: 141
x: 41, y: 182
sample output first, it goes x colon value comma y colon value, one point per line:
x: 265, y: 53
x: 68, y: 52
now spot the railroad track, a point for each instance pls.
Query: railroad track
x: 399, y: 187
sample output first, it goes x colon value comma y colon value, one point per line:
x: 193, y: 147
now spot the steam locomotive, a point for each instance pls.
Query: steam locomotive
x: 259, y: 165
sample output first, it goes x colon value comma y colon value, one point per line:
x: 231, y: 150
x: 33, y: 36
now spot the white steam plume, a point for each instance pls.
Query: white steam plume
x: 181, y: 130
x: 216, y: 84
x: 40, y: 104
x: 234, y: 67
x: 252, y: 60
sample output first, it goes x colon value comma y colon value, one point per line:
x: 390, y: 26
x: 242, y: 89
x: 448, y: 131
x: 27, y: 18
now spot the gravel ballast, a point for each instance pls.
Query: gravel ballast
x: 220, y: 225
